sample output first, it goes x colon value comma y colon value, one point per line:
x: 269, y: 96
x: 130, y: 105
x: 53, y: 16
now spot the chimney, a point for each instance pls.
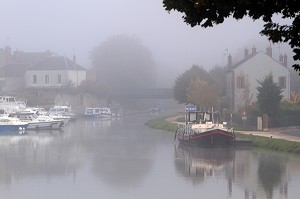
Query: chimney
x: 253, y: 50
x: 229, y: 61
x: 285, y: 60
x: 269, y: 51
x: 7, y: 55
x: 74, y: 60
x: 246, y: 52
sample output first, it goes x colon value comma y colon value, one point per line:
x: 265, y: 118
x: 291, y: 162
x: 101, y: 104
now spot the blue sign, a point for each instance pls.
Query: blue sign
x: 190, y: 108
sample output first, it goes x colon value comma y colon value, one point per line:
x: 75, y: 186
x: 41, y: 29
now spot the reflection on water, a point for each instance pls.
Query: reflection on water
x: 200, y: 164
x: 258, y: 173
x: 95, y: 122
x: 124, y: 159
x: 36, y: 154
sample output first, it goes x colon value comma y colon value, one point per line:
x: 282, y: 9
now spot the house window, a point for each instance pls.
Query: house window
x: 59, y: 79
x: 240, y: 82
x: 46, y: 79
x: 282, y: 82
x: 34, y: 79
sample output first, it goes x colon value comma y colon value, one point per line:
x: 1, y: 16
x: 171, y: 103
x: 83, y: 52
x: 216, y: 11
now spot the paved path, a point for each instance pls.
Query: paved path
x: 273, y: 134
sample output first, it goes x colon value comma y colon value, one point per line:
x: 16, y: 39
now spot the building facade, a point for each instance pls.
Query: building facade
x: 242, y: 77
x: 54, y: 72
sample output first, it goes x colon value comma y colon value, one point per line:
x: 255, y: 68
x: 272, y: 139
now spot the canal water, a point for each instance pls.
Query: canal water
x: 124, y: 159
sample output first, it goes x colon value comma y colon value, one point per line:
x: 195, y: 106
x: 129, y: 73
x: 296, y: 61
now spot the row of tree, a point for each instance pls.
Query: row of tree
x: 200, y: 87
x: 121, y: 62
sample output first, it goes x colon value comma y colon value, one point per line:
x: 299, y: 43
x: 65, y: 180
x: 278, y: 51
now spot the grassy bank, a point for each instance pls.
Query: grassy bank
x: 162, y: 124
x: 272, y: 143
x: 258, y: 141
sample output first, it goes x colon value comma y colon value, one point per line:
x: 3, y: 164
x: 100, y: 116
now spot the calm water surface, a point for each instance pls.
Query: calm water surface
x: 125, y: 159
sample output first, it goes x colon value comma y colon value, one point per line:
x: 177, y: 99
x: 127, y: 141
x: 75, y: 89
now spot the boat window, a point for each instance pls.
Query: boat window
x: 193, y: 117
x: 89, y: 110
x: 207, y: 117
x: 11, y: 99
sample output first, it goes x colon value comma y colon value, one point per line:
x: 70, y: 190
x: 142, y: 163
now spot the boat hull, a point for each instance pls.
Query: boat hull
x: 39, y: 125
x: 12, y: 127
x: 212, y: 138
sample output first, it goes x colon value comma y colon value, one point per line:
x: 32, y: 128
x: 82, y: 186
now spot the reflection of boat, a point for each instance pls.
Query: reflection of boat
x: 203, y: 129
x: 202, y: 162
x: 12, y: 124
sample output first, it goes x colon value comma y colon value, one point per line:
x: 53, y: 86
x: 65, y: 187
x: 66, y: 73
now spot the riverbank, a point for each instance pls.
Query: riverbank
x: 272, y: 139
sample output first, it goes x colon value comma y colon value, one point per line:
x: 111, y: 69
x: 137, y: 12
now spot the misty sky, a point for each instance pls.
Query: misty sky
x: 70, y: 27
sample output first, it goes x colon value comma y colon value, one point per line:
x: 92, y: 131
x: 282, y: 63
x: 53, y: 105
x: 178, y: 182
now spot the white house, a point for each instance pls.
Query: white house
x: 55, y: 72
x: 243, y: 77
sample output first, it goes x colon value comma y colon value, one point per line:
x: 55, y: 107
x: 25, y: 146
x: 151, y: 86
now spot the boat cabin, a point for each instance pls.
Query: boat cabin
x: 199, y: 117
x: 24, y: 116
x: 7, y: 99
x: 98, y: 111
x: 60, y: 110
x: 192, y: 116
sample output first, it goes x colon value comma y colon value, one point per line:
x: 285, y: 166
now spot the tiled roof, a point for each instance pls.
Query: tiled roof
x: 250, y: 57
x: 14, y: 70
x: 244, y: 60
x: 56, y: 63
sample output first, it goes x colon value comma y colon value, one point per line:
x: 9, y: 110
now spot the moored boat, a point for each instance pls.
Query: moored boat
x: 12, y: 124
x: 92, y: 112
x: 61, y: 110
x: 105, y: 113
x: 202, y: 128
x: 55, y: 123
x: 9, y: 104
x: 33, y: 122
x: 98, y: 112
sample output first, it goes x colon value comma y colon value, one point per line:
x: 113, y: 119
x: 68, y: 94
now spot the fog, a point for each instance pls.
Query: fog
x: 75, y: 27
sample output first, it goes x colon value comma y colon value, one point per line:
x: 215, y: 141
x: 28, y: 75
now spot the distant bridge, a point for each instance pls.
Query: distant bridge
x: 153, y: 93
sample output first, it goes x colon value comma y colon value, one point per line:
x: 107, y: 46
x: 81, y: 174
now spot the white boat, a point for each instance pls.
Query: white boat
x: 202, y: 128
x: 38, y: 110
x: 98, y: 112
x: 56, y: 123
x: 9, y: 104
x: 43, y: 115
x: 8, y: 124
x: 64, y: 118
x: 59, y: 110
x: 105, y: 112
x: 92, y: 112
x: 34, y: 123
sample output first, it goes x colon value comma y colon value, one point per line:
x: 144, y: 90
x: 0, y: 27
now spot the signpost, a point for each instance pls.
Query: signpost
x: 244, y: 118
